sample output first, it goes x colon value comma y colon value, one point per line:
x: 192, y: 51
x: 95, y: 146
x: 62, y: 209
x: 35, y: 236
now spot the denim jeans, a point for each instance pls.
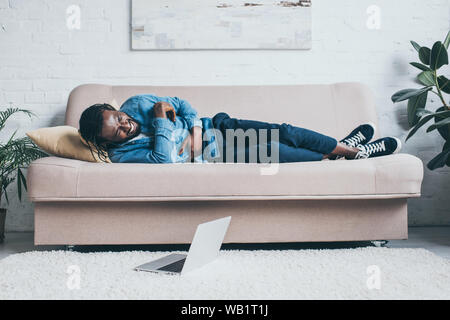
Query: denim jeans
x: 295, y: 144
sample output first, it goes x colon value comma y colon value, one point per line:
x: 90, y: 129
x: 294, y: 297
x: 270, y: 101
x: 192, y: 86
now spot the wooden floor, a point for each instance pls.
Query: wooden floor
x: 435, y: 239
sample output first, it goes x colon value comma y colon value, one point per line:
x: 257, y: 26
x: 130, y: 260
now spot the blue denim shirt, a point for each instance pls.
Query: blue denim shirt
x: 162, y: 138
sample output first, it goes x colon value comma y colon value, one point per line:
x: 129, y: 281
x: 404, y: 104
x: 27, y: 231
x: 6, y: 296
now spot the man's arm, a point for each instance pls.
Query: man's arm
x: 173, y: 106
x: 162, y: 109
x: 194, y: 142
x: 139, y: 156
x: 163, y: 145
x: 184, y: 109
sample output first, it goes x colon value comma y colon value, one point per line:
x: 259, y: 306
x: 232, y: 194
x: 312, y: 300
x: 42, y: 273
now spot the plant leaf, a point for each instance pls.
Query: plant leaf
x: 420, y: 66
x: 447, y: 146
x: 415, y: 45
x: 24, y: 181
x: 439, y: 56
x: 422, y: 111
x: 426, y: 78
x: 444, y: 84
x: 4, y: 184
x: 415, y: 103
x: 5, y: 114
x: 447, y: 41
x: 21, y: 181
x: 6, y: 195
x: 419, y: 124
x: 15, y: 154
x: 424, y: 55
x: 408, y: 93
x: 439, y: 124
x: 424, y: 120
x: 19, y: 186
x: 443, y: 131
x: 440, y: 160
x: 12, y: 136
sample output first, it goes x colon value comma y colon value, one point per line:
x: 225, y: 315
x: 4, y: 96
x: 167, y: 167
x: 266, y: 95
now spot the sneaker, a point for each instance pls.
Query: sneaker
x: 380, y: 147
x: 359, y: 136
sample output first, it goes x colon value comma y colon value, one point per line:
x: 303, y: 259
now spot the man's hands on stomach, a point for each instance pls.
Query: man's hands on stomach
x: 196, y: 148
x: 194, y: 141
x: 163, y: 109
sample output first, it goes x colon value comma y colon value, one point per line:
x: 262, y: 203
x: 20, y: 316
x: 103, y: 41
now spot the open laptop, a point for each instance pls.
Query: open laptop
x: 204, y: 249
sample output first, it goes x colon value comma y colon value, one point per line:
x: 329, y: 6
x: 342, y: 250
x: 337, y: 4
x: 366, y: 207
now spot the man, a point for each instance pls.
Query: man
x: 152, y: 129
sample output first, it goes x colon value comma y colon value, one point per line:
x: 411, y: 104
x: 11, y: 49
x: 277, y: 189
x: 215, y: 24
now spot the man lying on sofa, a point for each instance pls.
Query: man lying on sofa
x: 152, y: 129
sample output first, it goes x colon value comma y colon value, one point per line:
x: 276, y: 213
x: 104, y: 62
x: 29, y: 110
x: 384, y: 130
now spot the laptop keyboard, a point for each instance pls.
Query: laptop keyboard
x: 177, y: 266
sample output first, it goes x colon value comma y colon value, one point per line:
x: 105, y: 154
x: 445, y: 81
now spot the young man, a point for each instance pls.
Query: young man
x: 152, y: 129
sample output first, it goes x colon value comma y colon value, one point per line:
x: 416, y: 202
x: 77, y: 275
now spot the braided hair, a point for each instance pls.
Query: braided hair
x: 91, y: 123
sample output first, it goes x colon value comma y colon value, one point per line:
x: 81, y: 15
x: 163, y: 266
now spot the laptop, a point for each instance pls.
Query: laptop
x: 204, y: 249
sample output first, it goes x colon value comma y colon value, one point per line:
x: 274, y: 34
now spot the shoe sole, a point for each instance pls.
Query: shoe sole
x: 399, y: 145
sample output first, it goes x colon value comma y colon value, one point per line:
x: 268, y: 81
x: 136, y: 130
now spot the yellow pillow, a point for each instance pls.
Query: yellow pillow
x: 64, y: 141
x: 87, y: 144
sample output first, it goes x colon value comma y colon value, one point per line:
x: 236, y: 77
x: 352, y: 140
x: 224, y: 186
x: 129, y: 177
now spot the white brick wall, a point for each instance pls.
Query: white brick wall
x: 41, y: 61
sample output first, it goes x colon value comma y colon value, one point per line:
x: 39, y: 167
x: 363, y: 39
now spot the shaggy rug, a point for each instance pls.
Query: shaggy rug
x: 361, y: 273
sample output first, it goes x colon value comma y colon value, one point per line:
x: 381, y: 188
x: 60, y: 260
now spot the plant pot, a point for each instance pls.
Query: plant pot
x: 2, y: 224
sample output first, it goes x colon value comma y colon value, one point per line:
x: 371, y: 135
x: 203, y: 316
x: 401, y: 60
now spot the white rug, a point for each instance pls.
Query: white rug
x: 362, y: 273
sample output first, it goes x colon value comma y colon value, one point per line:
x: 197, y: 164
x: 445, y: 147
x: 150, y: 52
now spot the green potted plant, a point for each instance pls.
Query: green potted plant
x: 431, y: 60
x: 15, y: 154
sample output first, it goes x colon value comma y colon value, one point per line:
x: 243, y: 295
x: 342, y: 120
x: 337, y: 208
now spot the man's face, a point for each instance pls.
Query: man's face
x: 118, y: 127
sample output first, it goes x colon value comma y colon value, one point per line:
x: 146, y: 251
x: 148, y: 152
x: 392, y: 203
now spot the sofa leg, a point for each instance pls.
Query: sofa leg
x: 70, y: 248
x: 380, y: 243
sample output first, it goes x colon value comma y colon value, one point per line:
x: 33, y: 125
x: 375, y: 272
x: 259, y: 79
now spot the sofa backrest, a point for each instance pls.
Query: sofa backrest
x: 332, y: 109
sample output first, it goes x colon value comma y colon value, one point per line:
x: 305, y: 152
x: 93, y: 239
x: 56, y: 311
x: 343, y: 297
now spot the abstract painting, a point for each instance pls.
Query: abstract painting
x: 224, y: 24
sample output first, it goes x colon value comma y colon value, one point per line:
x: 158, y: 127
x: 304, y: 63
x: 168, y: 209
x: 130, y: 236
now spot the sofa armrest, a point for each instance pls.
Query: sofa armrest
x: 44, y: 173
x: 58, y: 161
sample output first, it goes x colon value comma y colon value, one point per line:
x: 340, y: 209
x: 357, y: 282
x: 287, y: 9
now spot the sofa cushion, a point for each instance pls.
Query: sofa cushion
x: 332, y: 109
x: 59, y: 179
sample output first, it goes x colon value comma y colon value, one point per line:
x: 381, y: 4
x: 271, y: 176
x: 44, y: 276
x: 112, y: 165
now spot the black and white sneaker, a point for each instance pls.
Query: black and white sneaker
x: 359, y: 136
x: 378, y: 148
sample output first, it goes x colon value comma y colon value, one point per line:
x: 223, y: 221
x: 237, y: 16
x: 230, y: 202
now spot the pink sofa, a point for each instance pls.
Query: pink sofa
x: 79, y: 202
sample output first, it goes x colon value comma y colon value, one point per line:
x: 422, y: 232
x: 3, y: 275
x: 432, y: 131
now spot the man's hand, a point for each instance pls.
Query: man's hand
x: 193, y: 141
x: 196, y: 142
x: 163, y: 109
x: 185, y: 144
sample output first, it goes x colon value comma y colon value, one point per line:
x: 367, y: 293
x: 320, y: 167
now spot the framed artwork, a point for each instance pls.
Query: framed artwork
x: 220, y: 24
